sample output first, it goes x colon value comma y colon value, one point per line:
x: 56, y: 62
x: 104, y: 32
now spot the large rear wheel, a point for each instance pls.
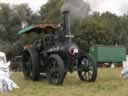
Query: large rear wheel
x: 35, y: 65
x: 31, y: 65
x: 87, y: 68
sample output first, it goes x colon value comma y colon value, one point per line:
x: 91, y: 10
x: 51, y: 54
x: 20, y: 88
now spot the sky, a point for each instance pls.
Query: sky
x: 118, y: 7
x: 34, y: 4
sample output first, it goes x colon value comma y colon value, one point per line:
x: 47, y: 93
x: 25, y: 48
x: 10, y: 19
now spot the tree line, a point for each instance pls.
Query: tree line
x: 104, y: 29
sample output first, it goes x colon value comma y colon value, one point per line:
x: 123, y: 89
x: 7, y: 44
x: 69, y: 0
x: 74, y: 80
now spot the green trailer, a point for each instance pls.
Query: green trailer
x: 108, y: 54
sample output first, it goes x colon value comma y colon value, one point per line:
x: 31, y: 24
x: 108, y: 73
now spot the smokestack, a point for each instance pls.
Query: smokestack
x: 67, y: 31
x: 67, y: 22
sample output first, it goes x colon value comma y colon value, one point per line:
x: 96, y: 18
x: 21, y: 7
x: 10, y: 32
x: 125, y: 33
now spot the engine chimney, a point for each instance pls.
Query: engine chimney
x: 67, y: 31
x: 66, y: 22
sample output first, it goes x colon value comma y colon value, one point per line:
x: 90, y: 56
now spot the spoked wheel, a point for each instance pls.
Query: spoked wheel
x: 87, y: 68
x: 56, y: 70
x: 26, y: 64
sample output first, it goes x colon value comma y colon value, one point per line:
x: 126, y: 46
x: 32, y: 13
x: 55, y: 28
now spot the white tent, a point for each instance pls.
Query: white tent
x: 6, y: 84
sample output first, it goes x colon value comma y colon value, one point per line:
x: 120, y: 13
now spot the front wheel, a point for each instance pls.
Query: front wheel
x: 87, y: 68
x: 56, y: 71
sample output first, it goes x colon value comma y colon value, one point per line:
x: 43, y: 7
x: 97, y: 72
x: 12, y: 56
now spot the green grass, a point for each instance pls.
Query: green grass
x: 108, y: 83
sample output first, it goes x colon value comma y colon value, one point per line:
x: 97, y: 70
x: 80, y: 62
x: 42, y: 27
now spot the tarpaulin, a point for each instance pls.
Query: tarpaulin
x: 6, y: 84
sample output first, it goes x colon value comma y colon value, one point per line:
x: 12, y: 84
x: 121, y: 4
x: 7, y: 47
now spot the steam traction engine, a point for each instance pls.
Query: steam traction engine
x: 56, y: 54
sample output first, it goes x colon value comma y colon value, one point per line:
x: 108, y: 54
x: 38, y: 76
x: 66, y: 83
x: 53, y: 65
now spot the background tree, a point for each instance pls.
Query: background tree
x: 50, y: 12
x: 105, y: 29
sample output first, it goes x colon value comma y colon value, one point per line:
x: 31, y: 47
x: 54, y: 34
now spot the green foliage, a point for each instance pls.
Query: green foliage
x: 6, y: 23
x: 11, y: 18
x: 51, y: 12
x: 106, y: 29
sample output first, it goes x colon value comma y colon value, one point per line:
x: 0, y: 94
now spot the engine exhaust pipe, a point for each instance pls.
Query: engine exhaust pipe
x: 66, y: 22
x: 67, y: 31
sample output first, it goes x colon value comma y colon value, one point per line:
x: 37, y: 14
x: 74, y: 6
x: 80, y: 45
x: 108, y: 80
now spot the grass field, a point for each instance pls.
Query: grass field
x: 108, y: 83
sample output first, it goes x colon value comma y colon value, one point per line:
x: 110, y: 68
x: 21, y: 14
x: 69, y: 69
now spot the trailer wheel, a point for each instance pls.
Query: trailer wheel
x: 87, y: 68
x: 56, y: 71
